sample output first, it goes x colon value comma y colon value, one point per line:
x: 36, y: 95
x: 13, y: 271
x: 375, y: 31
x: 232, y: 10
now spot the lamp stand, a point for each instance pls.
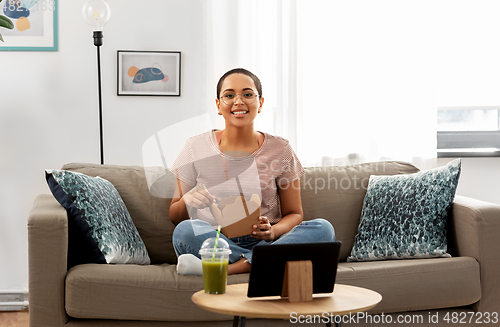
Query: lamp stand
x: 98, y: 43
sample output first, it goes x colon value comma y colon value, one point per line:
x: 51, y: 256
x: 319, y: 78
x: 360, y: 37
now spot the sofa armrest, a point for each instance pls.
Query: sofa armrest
x: 47, y: 256
x: 475, y: 229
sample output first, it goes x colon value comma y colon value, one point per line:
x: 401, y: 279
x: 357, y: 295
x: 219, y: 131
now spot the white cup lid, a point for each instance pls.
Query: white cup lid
x: 209, y: 246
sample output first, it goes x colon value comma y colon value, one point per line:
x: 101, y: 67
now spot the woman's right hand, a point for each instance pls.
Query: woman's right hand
x: 198, y: 197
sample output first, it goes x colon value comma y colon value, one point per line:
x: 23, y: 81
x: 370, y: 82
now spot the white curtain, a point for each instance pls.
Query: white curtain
x: 261, y: 37
x: 344, y: 81
x: 367, y: 72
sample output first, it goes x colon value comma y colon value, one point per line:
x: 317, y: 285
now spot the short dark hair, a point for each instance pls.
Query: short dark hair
x: 243, y: 71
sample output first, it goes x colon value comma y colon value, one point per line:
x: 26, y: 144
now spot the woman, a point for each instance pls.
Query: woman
x: 239, y: 101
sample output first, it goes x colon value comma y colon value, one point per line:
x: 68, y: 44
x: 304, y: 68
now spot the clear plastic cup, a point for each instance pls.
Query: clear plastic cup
x: 215, y: 262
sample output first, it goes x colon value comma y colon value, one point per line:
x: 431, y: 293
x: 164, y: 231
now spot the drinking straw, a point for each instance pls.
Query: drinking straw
x: 216, y: 242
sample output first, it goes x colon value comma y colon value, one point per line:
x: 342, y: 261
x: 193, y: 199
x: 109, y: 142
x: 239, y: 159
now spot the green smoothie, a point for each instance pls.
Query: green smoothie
x: 215, y: 275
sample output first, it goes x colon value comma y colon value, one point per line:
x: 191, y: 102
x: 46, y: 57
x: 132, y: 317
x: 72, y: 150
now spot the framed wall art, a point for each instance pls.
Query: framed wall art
x: 156, y: 73
x: 35, y: 25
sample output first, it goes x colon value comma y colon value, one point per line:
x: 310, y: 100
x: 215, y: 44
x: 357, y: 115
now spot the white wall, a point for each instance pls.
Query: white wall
x: 49, y: 113
x: 479, y: 178
x: 49, y: 107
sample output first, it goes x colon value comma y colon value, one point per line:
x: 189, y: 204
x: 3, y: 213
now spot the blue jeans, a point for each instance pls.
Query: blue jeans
x: 186, y: 241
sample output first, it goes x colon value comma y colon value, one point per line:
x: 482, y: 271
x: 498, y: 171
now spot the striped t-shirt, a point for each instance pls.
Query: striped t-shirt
x: 230, y: 173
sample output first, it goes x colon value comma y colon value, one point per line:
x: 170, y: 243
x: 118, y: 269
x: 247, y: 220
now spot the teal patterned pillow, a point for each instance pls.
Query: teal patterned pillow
x: 404, y: 216
x: 100, y: 229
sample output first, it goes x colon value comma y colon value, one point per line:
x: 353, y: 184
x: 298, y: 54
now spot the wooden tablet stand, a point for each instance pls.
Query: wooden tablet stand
x: 298, y: 281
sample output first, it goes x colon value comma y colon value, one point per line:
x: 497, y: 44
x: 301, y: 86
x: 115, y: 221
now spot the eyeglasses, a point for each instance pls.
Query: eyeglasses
x: 247, y: 97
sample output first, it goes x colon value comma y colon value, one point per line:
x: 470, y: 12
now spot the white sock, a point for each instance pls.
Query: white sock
x: 189, y: 264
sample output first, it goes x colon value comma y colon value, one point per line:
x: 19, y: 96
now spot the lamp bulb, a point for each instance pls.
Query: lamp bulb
x: 96, y: 13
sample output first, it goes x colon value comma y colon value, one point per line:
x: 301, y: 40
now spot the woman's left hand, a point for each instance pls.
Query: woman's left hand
x: 264, y: 230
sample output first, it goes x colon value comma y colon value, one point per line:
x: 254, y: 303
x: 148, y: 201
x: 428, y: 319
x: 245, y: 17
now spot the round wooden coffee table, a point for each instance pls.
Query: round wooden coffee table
x: 344, y: 300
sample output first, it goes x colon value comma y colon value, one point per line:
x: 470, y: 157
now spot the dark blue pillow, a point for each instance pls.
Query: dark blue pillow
x: 404, y: 216
x: 100, y: 229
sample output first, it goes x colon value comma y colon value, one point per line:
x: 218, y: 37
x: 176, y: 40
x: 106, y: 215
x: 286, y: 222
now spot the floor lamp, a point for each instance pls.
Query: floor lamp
x: 97, y: 13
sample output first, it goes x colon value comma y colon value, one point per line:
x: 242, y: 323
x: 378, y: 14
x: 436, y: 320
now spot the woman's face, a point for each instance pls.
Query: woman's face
x: 235, y: 102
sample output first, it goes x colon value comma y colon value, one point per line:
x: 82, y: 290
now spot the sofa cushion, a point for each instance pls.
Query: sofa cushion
x: 405, y: 216
x: 336, y: 194
x: 99, y: 226
x: 133, y: 292
x: 157, y: 292
x: 416, y: 284
x: 149, y: 213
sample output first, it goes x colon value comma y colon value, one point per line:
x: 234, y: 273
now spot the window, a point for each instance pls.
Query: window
x: 466, y: 87
x: 468, y: 131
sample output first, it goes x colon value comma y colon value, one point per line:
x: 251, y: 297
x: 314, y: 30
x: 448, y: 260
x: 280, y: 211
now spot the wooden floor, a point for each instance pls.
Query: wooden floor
x: 14, y: 319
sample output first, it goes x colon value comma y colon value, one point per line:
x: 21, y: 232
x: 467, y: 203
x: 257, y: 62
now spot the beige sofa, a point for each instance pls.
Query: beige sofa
x: 155, y: 295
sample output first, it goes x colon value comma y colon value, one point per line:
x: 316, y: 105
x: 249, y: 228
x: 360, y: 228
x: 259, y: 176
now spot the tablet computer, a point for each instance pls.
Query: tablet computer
x: 269, y: 261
